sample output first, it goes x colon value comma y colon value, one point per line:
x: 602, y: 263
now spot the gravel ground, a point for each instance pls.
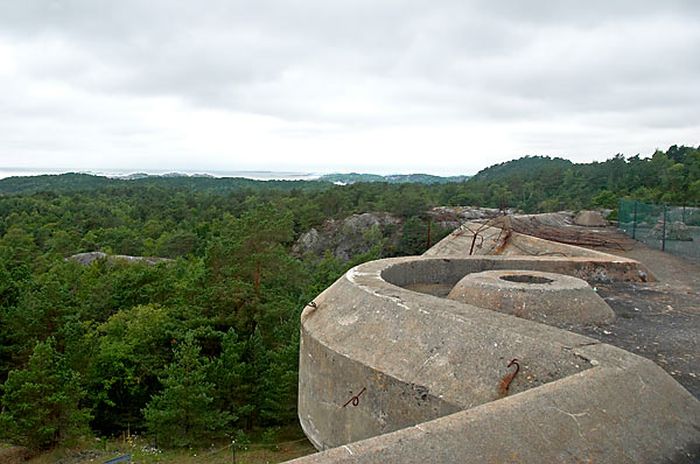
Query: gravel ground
x: 658, y: 320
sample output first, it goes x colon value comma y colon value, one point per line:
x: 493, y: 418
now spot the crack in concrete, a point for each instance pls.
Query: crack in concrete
x: 579, y: 355
x: 575, y: 417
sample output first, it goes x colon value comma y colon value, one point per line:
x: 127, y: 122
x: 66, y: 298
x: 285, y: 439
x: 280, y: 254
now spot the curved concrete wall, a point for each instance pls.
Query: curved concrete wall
x: 391, y: 375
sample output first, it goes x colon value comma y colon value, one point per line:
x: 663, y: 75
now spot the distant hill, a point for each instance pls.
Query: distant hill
x: 523, y: 167
x: 531, y: 183
x: 354, y: 177
x: 541, y: 183
x: 74, y: 182
x: 70, y: 182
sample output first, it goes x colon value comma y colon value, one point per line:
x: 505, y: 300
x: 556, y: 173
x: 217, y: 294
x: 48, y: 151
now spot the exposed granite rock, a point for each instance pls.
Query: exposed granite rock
x: 451, y: 217
x: 675, y: 230
x: 590, y: 219
x: 88, y: 258
x: 358, y: 233
x: 354, y: 235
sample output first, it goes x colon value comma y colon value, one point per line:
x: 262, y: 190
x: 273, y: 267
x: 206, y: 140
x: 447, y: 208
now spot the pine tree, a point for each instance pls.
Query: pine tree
x: 41, y: 403
x: 279, y: 384
x: 183, y: 414
x: 228, y: 371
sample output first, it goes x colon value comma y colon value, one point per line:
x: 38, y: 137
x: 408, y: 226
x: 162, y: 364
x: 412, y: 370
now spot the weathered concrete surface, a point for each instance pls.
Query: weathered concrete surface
x: 492, y: 240
x: 411, y: 361
x: 539, y: 296
x: 625, y: 410
x: 476, y: 239
x: 415, y: 363
x: 450, y: 270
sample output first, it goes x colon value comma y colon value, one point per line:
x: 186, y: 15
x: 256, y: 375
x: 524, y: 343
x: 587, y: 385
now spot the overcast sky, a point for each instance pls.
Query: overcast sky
x: 325, y: 85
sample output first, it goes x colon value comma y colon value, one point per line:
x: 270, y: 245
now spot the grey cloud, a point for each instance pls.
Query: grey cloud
x: 363, y: 63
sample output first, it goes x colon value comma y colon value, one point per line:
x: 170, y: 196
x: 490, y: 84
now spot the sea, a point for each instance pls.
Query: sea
x: 135, y: 173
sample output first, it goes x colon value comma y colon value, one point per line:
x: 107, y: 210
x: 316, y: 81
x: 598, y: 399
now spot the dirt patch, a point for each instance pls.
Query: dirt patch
x: 13, y: 454
x: 85, y: 456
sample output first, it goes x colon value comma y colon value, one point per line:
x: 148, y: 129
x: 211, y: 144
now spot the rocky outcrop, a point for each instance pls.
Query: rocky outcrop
x: 451, y: 217
x: 675, y: 230
x: 590, y: 219
x: 359, y: 233
x: 352, y: 236
x: 88, y: 258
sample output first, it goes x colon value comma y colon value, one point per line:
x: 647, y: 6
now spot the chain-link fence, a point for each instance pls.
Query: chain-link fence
x: 675, y: 229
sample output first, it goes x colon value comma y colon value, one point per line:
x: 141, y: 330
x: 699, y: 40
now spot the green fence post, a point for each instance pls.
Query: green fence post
x: 634, y: 221
x: 663, y: 234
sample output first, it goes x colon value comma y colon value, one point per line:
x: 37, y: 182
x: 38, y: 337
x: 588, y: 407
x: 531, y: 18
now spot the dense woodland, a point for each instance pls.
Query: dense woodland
x: 204, y: 347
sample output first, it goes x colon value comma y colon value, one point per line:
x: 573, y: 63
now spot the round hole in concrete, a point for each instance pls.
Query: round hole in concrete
x: 526, y: 279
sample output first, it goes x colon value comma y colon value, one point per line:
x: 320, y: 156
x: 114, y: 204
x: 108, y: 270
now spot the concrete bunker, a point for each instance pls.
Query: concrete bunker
x: 391, y: 370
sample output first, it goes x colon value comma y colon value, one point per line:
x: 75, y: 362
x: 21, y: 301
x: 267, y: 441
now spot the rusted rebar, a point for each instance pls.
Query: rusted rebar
x: 505, y: 382
x: 355, y: 400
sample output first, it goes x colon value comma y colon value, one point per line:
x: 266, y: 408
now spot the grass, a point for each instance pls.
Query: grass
x: 289, y: 446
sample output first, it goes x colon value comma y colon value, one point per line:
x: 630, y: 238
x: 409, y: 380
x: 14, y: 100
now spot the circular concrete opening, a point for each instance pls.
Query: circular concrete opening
x: 554, y: 299
x: 526, y: 279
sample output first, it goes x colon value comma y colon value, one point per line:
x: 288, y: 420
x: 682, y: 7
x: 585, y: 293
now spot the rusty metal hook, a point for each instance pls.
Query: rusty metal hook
x: 508, y: 378
x: 355, y: 400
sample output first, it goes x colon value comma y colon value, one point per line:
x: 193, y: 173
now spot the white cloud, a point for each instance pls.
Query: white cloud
x: 395, y: 86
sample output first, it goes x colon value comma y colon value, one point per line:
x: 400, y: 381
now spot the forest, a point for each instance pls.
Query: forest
x: 203, y: 346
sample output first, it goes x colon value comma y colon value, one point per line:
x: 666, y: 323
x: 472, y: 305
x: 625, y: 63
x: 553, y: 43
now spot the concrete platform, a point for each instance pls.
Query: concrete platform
x: 539, y: 296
